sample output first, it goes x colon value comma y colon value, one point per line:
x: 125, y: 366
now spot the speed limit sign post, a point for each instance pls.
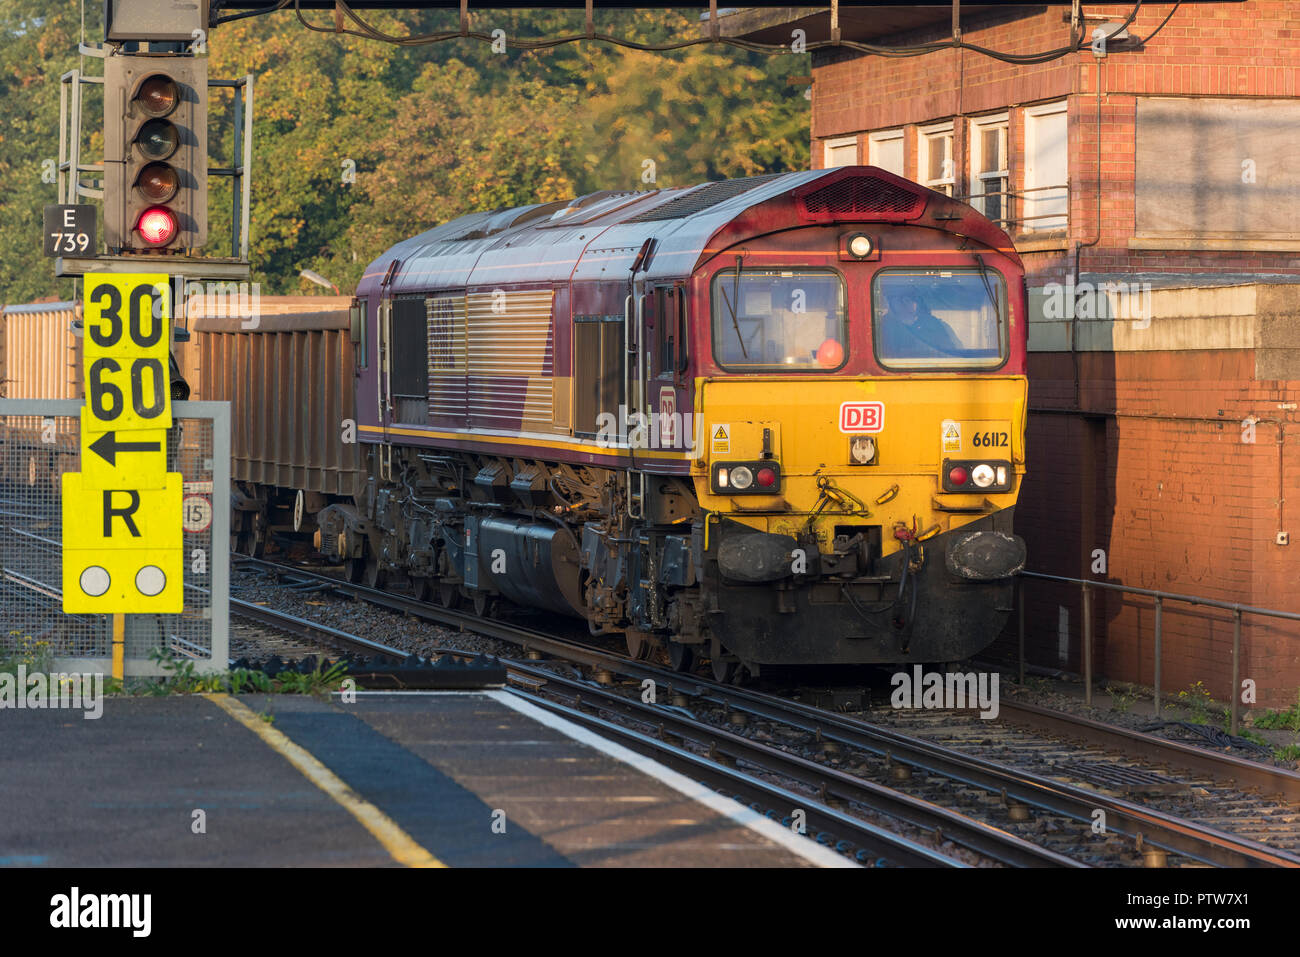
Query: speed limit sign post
x: 122, y: 549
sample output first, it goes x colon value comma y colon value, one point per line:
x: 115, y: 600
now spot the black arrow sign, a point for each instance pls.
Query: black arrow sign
x: 107, y: 446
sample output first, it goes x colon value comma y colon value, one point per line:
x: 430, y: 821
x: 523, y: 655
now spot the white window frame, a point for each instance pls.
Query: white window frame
x: 944, y: 184
x: 874, y: 141
x: 1002, y: 176
x: 836, y: 144
x: 1032, y: 199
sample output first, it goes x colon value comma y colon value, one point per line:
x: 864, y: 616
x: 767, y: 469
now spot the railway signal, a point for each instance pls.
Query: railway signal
x: 155, y: 152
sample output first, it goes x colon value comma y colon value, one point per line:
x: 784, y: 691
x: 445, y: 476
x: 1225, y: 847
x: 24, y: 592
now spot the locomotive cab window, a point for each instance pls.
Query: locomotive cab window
x: 932, y: 318
x: 670, y: 327
x: 409, y: 362
x: 779, y: 320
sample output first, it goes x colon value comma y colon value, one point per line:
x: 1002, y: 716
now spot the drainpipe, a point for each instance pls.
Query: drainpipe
x: 1074, y: 315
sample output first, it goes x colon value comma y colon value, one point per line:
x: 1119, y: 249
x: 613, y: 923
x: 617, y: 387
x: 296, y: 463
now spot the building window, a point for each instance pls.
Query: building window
x: 841, y: 152
x: 935, y: 162
x: 885, y: 149
x: 988, y: 167
x: 1047, y: 167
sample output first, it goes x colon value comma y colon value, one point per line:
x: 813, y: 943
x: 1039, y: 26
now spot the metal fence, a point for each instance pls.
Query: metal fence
x: 39, y: 441
x: 1086, y: 588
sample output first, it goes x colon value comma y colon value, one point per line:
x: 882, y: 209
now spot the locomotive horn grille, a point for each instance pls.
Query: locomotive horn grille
x: 861, y: 197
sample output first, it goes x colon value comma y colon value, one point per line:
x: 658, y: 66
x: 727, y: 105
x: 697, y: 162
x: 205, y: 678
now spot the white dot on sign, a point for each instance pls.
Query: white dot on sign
x: 150, y: 580
x: 95, y: 581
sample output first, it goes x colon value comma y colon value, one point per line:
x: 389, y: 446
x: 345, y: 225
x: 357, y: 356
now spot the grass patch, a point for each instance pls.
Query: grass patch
x: 1288, y: 720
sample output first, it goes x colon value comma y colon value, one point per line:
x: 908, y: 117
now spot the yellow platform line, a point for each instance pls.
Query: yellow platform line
x: 396, y: 842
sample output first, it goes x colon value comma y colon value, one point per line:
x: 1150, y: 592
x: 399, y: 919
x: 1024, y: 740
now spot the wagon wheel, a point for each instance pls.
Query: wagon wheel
x: 448, y: 594
x: 374, y: 575
x: 724, y: 664
x: 354, y: 569
x: 680, y: 656
x: 484, y: 604
x: 421, y: 588
x: 640, y: 646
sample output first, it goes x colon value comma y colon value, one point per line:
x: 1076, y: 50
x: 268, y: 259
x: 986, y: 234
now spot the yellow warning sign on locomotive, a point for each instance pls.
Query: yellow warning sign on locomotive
x: 721, y: 439
x: 122, y: 550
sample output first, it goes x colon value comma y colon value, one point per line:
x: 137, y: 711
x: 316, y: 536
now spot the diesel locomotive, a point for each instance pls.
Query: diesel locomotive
x: 767, y: 421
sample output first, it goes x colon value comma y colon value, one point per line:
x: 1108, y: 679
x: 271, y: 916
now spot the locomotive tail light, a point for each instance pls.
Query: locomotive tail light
x: 748, y: 478
x: 977, y: 476
x: 157, y: 226
x: 862, y: 450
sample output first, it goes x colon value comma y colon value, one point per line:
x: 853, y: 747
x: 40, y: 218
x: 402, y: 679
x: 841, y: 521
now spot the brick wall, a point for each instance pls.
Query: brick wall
x: 1224, y: 50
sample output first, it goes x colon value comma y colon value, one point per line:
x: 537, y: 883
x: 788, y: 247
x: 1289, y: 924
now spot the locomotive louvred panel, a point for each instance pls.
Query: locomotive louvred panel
x: 447, y: 366
x: 509, y: 350
x: 861, y: 197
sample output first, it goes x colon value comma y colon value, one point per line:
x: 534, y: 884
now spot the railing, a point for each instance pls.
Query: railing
x: 1160, y: 598
x: 1016, y: 197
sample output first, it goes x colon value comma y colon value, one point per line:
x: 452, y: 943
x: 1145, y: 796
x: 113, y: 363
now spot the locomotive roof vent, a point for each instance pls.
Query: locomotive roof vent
x: 860, y: 198
x: 700, y: 198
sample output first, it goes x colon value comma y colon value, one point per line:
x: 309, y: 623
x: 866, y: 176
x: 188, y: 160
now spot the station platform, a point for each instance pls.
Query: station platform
x: 458, y: 779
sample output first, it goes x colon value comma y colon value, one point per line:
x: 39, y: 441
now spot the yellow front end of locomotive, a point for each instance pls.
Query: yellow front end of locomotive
x: 912, y: 456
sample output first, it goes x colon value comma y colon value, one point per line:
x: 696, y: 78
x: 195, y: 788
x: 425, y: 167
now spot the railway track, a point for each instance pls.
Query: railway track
x: 1058, y: 817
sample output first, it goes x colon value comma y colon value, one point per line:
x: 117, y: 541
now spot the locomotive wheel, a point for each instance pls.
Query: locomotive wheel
x: 680, y: 656
x: 354, y: 569
x: 640, y: 646
x: 374, y: 574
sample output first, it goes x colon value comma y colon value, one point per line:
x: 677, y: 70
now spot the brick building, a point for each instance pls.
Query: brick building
x: 1150, y: 190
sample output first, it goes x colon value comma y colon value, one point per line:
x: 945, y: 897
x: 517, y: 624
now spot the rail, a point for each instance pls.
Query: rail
x: 1086, y: 587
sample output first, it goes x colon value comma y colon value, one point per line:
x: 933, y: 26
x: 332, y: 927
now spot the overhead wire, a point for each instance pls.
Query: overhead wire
x: 366, y: 30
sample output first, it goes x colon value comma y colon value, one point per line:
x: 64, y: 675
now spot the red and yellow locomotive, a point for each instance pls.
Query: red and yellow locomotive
x: 775, y: 420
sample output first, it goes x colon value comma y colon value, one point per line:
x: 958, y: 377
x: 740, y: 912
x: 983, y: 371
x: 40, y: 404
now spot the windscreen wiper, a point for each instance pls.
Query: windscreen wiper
x: 735, y: 323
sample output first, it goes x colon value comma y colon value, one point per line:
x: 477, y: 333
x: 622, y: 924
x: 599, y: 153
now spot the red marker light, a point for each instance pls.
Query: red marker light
x: 766, y: 478
x: 830, y: 355
x: 157, y: 226
x: 957, y: 476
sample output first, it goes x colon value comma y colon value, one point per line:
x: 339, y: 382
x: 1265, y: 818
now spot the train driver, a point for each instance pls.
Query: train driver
x: 909, y: 330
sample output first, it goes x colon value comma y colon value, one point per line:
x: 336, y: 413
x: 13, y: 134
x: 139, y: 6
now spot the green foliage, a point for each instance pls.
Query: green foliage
x: 1288, y: 752
x: 23, y: 650
x: 1198, y: 701
x: 182, y: 678
x: 1121, y: 698
x: 434, y: 131
x: 1288, y: 720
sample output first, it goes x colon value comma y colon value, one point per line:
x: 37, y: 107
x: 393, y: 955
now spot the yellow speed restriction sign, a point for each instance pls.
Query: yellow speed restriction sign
x: 127, y: 338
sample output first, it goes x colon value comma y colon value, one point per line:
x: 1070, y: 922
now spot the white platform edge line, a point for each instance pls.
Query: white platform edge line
x: 804, y: 847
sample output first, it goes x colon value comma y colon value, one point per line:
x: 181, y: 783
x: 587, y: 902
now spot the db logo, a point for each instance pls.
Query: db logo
x: 862, y: 416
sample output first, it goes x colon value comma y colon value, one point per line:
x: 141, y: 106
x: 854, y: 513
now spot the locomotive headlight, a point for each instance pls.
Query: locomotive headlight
x: 860, y: 246
x: 982, y: 475
x: 862, y: 450
x: 741, y: 477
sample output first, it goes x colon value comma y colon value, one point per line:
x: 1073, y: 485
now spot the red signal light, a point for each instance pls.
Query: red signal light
x: 957, y: 475
x: 766, y: 478
x: 157, y: 226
